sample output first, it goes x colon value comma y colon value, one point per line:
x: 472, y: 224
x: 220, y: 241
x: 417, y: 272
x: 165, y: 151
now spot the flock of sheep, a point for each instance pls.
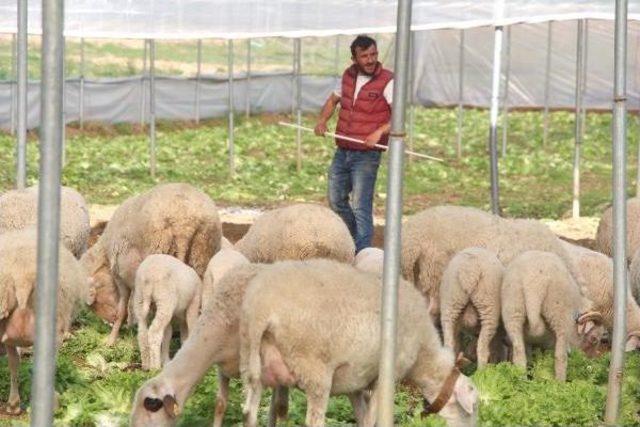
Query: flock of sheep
x: 291, y: 305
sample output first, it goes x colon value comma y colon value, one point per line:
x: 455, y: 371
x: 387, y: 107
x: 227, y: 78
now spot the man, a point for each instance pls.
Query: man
x: 365, y: 96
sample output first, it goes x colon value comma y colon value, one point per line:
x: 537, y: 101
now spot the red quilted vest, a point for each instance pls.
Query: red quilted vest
x: 370, y: 111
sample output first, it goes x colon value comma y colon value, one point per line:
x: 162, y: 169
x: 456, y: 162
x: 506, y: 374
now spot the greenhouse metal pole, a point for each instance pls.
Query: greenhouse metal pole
x: 247, y: 96
x: 578, y: 125
x: 152, y: 106
x: 392, y: 238
x: 14, y: 83
x: 142, y: 84
x: 616, y: 368
x: 81, y: 108
x: 493, y: 133
x: 48, y: 214
x: 297, y: 43
x: 232, y: 162
x: 585, y: 63
x: 198, y: 74
x: 547, y: 81
x: 460, y: 95
x: 22, y: 50
x: 505, y: 106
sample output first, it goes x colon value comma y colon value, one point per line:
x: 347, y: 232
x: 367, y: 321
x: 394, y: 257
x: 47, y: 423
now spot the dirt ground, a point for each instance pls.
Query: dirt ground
x: 236, y: 222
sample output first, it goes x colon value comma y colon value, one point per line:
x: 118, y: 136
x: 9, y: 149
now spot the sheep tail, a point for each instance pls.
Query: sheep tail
x: 533, y: 306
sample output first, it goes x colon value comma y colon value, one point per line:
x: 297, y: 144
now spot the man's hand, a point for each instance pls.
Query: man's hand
x: 320, y: 128
x: 373, y: 138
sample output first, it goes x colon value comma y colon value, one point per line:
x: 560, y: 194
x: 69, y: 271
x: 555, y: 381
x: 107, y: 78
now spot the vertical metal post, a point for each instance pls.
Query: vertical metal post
x: 143, y: 95
x: 460, y: 95
x: 48, y: 213
x: 616, y: 368
x: 493, y: 134
x: 411, y: 76
x: 392, y: 238
x: 297, y: 43
x: 247, y: 99
x: 152, y: 107
x: 81, y: 96
x: 294, y: 76
x: 505, y: 106
x: 232, y: 162
x: 547, y: 81
x: 578, y: 117
x: 14, y: 84
x: 585, y: 52
x: 22, y: 48
x: 198, y: 73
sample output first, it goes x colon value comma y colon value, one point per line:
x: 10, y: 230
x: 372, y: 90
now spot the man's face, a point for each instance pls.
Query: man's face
x: 366, y: 59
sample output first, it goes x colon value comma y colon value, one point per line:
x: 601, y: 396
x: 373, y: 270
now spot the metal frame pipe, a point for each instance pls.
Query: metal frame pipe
x: 247, y: 96
x: 198, y: 74
x: 14, y: 83
x: 505, y: 99
x: 142, y: 84
x: 22, y: 53
x: 81, y: 94
x: 578, y: 120
x: 493, y: 131
x: 152, y: 107
x: 48, y: 213
x: 616, y: 368
x: 460, y: 95
x: 392, y: 234
x: 231, y: 146
x: 547, y: 82
x: 297, y: 43
x: 585, y: 64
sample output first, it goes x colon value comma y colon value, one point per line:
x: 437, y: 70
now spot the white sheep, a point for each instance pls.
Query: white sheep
x: 538, y: 291
x: 315, y: 324
x: 19, y: 209
x: 18, y: 268
x: 471, y: 283
x: 221, y: 263
x: 298, y: 231
x: 597, y: 270
x: 604, y: 235
x: 634, y: 275
x: 173, y: 219
x: 432, y: 237
x: 174, y: 289
x: 370, y: 259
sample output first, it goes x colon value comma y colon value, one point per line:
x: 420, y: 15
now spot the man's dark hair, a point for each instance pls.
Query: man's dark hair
x: 363, y: 42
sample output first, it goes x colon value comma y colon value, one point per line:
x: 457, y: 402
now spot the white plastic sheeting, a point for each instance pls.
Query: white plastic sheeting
x: 195, y: 19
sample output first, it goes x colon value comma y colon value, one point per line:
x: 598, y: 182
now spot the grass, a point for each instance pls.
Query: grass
x: 109, y: 164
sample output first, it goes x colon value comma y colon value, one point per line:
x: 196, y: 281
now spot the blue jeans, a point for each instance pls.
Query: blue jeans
x: 354, y: 173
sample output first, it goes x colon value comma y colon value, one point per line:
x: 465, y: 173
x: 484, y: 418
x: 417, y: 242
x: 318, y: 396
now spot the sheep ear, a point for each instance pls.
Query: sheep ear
x: 633, y: 343
x: 466, y: 395
x: 171, y: 407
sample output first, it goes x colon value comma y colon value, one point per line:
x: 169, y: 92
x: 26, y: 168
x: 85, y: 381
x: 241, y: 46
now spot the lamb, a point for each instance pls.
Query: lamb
x: 370, y: 259
x: 19, y: 209
x: 18, y: 254
x: 432, y: 237
x: 604, y: 235
x: 298, y: 231
x: 597, y: 270
x: 539, y: 291
x: 174, y: 289
x: 326, y: 340
x: 172, y: 219
x: 471, y: 283
x: 634, y: 275
x: 215, y: 340
x: 221, y: 263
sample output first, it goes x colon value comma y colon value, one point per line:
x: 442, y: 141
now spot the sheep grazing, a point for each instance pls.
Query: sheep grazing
x: 370, y: 259
x: 326, y: 340
x: 634, y: 275
x: 597, y: 270
x: 221, y: 263
x: 19, y: 210
x: 471, y: 283
x: 174, y: 289
x: 215, y: 340
x: 299, y: 231
x: 432, y: 237
x: 172, y: 219
x: 539, y: 291
x: 18, y: 253
x: 604, y: 235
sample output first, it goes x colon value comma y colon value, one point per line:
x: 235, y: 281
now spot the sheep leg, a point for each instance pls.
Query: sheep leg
x: 184, y: 331
x: 359, y: 404
x: 515, y: 332
x: 141, y: 310
x: 166, y: 343
x: 221, y: 399
x: 13, y: 404
x: 279, y: 407
x: 372, y: 408
x: 449, y: 318
x: 193, y: 312
x: 317, y: 401
x: 157, y: 332
x: 560, y: 358
x: 488, y: 328
x: 252, y: 402
x: 123, y: 301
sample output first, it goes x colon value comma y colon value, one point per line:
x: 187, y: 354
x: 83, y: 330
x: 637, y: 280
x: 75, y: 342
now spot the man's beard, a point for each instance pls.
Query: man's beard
x: 362, y: 70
